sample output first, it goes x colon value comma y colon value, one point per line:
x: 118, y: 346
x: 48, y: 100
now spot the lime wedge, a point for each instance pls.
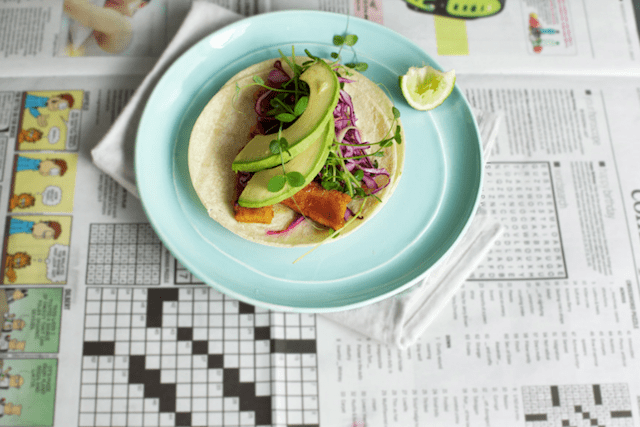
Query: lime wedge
x: 425, y: 88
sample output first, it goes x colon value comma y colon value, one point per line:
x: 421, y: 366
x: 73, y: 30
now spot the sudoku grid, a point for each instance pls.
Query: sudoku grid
x: 577, y: 405
x: 521, y: 197
x: 123, y: 254
x: 192, y: 356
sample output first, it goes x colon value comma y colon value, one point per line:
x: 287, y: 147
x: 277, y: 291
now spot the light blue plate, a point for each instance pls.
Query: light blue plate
x: 432, y: 206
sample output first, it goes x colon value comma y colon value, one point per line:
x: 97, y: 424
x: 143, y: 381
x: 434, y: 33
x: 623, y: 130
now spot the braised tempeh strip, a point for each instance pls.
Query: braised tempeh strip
x: 262, y: 215
x: 326, y: 207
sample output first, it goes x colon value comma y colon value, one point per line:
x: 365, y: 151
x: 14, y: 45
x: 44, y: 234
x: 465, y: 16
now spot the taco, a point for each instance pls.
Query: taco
x: 362, y: 117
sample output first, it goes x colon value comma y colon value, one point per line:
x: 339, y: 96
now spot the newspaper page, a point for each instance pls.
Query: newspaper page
x: 494, y: 36
x: 103, y: 327
x: 507, y: 36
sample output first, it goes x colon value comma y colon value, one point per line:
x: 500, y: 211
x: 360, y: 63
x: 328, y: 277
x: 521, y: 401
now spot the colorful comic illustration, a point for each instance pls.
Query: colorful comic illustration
x: 36, y: 249
x: 50, y: 120
x: 30, y: 320
x: 27, y: 391
x: 43, y: 182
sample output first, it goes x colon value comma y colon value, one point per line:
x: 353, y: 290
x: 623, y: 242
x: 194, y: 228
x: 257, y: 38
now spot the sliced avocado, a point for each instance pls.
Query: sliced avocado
x: 308, y: 163
x: 323, y: 98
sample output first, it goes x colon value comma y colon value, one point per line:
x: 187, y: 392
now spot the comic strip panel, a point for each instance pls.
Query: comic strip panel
x: 43, y: 182
x: 36, y: 249
x: 50, y: 120
x: 30, y: 320
x: 28, y: 390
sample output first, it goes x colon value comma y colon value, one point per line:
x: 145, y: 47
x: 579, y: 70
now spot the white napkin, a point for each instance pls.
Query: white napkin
x: 115, y: 152
x: 398, y: 320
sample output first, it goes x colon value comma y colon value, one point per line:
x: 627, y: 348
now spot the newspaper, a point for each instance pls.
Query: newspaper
x: 103, y: 327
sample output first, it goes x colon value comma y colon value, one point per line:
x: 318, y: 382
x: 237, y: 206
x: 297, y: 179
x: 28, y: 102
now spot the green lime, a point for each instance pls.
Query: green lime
x: 425, y: 88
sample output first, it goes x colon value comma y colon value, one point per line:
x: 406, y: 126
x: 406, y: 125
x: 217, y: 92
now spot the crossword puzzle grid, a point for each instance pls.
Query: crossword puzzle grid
x: 520, y: 196
x: 597, y: 405
x: 123, y: 254
x: 193, y: 357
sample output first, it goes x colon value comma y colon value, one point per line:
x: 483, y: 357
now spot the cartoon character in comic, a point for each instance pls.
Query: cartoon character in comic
x: 48, y: 167
x: 39, y: 230
x: 13, y: 295
x: 14, y: 262
x: 29, y: 135
x: 7, y: 381
x: 16, y: 294
x: 7, y: 297
x: 22, y: 201
x: 11, y: 324
x: 8, y: 408
x: 59, y: 102
x: 7, y: 343
x: 16, y: 345
x: 109, y: 22
x: 4, y: 375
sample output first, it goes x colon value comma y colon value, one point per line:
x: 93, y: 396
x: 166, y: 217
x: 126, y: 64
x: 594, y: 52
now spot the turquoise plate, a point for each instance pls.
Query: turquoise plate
x: 432, y: 206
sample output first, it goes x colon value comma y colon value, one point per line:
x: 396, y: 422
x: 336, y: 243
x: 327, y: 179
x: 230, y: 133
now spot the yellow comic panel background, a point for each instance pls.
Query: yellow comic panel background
x: 54, y: 135
x: 34, y: 192
x: 47, y: 259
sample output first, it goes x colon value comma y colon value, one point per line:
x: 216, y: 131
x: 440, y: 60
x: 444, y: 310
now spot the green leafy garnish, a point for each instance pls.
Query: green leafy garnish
x: 276, y: 183
x: 300, y: 106
x: 295, y: 179
x: 358, y: 66
x: 348, y: 40
x: 285, y: 117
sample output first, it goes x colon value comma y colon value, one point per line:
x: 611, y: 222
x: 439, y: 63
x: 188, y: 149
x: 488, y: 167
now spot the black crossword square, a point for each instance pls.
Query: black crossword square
x: 215, y: 361
x: 183, y: 418
x: 262, y: 333
x: 185, y: 334
x: 199, y: 347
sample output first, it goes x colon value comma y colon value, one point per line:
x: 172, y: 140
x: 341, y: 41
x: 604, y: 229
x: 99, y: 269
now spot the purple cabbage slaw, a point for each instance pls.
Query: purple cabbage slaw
x: 355, y: 156
x: 346, y: 132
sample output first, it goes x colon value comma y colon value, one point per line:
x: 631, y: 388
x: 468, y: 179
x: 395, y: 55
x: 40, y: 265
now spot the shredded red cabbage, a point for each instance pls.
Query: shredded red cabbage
x: 268, y: 124
x: 347, y: 132
x: 291, y: 226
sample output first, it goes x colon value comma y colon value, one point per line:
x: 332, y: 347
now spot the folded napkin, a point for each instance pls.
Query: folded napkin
x: 398, y: 320
x: 114, y: 154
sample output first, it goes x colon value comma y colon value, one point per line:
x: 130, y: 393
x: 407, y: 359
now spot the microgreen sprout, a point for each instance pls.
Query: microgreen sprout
x: 348, y: 40
x: 288, y: 93
x: 294, y: 178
